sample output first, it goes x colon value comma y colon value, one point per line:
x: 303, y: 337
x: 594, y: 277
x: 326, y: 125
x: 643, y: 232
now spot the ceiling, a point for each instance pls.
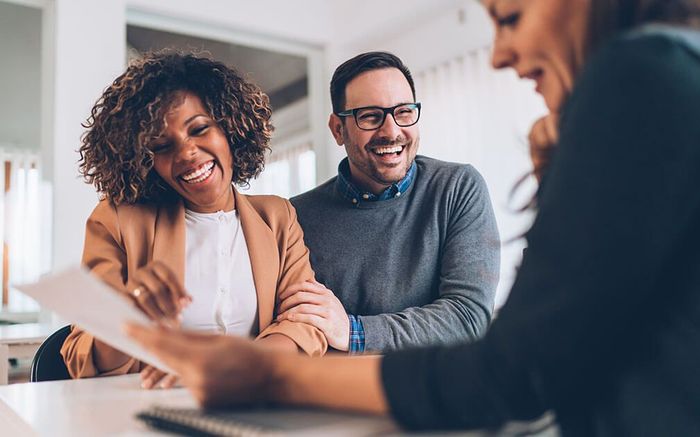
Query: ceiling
x: 281, y: 76
x: 318, y: 22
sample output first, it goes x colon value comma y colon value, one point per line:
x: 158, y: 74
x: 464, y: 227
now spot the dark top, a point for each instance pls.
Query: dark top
x: 417, y: 269
x: 603, y: 322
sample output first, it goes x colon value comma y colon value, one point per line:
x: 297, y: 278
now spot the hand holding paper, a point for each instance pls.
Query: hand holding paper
x: 80, y: 298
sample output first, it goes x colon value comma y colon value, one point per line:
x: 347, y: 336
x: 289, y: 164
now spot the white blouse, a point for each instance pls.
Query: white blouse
x: 218, y: 275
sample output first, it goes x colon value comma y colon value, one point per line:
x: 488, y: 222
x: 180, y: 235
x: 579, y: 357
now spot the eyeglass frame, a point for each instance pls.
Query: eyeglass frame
x: 353, y: 112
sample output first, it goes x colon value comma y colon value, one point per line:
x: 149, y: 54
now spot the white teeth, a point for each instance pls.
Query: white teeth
x: 201, y: 178
x: 384, y: 150
x: 199, y: 174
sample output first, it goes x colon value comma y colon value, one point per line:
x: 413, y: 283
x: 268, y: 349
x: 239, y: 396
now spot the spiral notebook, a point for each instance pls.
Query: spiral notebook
x: 265, y: 422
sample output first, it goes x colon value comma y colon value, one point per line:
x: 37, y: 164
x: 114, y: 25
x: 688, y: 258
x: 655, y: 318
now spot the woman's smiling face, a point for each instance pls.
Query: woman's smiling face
x: 193, y: 156
x: 542, y: 40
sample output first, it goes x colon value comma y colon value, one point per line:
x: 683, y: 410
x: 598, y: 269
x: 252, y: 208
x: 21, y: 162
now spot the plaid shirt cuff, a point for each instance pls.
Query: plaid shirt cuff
x: 357, y: 336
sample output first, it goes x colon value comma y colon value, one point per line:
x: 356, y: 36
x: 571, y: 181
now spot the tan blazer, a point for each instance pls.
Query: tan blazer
x: 119, y: 240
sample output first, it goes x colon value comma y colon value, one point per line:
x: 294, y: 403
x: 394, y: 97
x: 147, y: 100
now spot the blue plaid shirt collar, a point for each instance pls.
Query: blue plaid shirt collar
x: 354, y: 194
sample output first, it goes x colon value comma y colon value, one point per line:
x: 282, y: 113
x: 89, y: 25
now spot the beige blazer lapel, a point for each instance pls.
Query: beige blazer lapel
x: 264, y: 257
x: 169, y: 238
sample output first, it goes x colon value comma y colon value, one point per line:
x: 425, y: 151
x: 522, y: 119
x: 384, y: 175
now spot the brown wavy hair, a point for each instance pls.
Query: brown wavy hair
x: 115, y: 155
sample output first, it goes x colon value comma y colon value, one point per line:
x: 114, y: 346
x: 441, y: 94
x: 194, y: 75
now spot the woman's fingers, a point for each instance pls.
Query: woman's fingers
x: 176, y: 289
x: 168, y: 381
x: 543, y: 138
x: 551, y: 125
x: 144, y: 300
x: 150, y: 376
x: 159, y: 292
x: 146, y: 372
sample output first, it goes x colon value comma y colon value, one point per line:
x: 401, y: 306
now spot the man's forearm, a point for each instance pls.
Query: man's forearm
x: 445, y: 321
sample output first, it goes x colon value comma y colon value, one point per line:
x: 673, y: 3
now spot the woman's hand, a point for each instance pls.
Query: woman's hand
x: 158, y: 293
x: 219, y: 370
x: 151, y: 376
x: 543, y: 137
x: 222, y: 370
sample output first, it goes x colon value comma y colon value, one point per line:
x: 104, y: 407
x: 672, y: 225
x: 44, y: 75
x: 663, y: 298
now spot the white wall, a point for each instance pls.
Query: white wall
x: 442, y: 31
x: 20, y: 44
x: 89, y: 47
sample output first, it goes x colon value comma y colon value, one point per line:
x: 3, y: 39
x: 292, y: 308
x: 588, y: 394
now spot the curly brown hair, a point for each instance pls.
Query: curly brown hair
x: 115, y: 155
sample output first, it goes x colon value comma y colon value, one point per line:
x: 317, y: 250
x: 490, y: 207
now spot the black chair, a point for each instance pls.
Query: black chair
x: 48, y: 364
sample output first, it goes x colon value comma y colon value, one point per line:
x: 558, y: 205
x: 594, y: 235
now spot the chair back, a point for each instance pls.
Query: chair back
x: 48, y: 364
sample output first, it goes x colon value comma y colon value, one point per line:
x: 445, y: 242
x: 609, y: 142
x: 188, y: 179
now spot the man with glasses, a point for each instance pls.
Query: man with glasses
x: 405, y: 247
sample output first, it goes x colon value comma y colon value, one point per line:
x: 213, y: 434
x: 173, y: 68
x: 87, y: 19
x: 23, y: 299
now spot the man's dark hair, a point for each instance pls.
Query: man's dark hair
x: 352, y: 68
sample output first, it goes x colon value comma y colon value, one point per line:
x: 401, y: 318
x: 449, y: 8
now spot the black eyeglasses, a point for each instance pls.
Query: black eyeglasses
x: 372, y: 117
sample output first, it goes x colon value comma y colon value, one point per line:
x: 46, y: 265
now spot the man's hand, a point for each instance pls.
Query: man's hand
x: 543, y: 137
x: 219, y: 370
x: 312, y: 303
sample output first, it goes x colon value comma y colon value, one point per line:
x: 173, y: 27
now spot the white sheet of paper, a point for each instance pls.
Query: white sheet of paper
x: 82, y: 299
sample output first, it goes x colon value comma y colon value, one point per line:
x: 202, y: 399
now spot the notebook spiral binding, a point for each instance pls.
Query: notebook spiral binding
x: 195, y: 422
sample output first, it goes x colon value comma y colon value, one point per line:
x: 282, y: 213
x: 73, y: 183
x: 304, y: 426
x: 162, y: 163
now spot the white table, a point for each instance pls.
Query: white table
x: 90, y: 407
x: 107, y: 406
x: 104, y: 406
x: 20, y: 341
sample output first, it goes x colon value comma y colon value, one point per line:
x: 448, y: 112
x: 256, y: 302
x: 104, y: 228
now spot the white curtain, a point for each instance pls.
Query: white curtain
x: 477, y: 115
x: 288, y: 171
x: 21, y: 229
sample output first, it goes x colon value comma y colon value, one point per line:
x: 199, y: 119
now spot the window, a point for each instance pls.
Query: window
x: 23, y: 200
x: 287, y: 173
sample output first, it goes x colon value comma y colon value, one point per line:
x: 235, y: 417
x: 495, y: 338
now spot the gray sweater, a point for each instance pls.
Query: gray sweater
x: 417, y: 269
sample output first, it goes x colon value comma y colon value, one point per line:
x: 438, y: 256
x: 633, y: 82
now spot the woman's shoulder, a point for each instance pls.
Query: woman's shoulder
x: 271, y: 208
x: 106, y: 210
x: 652, y: 52
x: 266, y: 202
x: 664, y: 38
x: 647, y: 69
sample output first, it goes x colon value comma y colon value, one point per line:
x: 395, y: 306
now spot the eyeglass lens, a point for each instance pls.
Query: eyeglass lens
x: 372, y: 118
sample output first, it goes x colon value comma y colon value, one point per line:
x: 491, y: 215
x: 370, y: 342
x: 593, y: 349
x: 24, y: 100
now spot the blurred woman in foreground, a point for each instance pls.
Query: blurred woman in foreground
x: 603, y: 323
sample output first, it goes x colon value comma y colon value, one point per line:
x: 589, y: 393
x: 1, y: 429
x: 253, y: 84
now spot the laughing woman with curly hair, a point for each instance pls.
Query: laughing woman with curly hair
x: 165, y: 145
